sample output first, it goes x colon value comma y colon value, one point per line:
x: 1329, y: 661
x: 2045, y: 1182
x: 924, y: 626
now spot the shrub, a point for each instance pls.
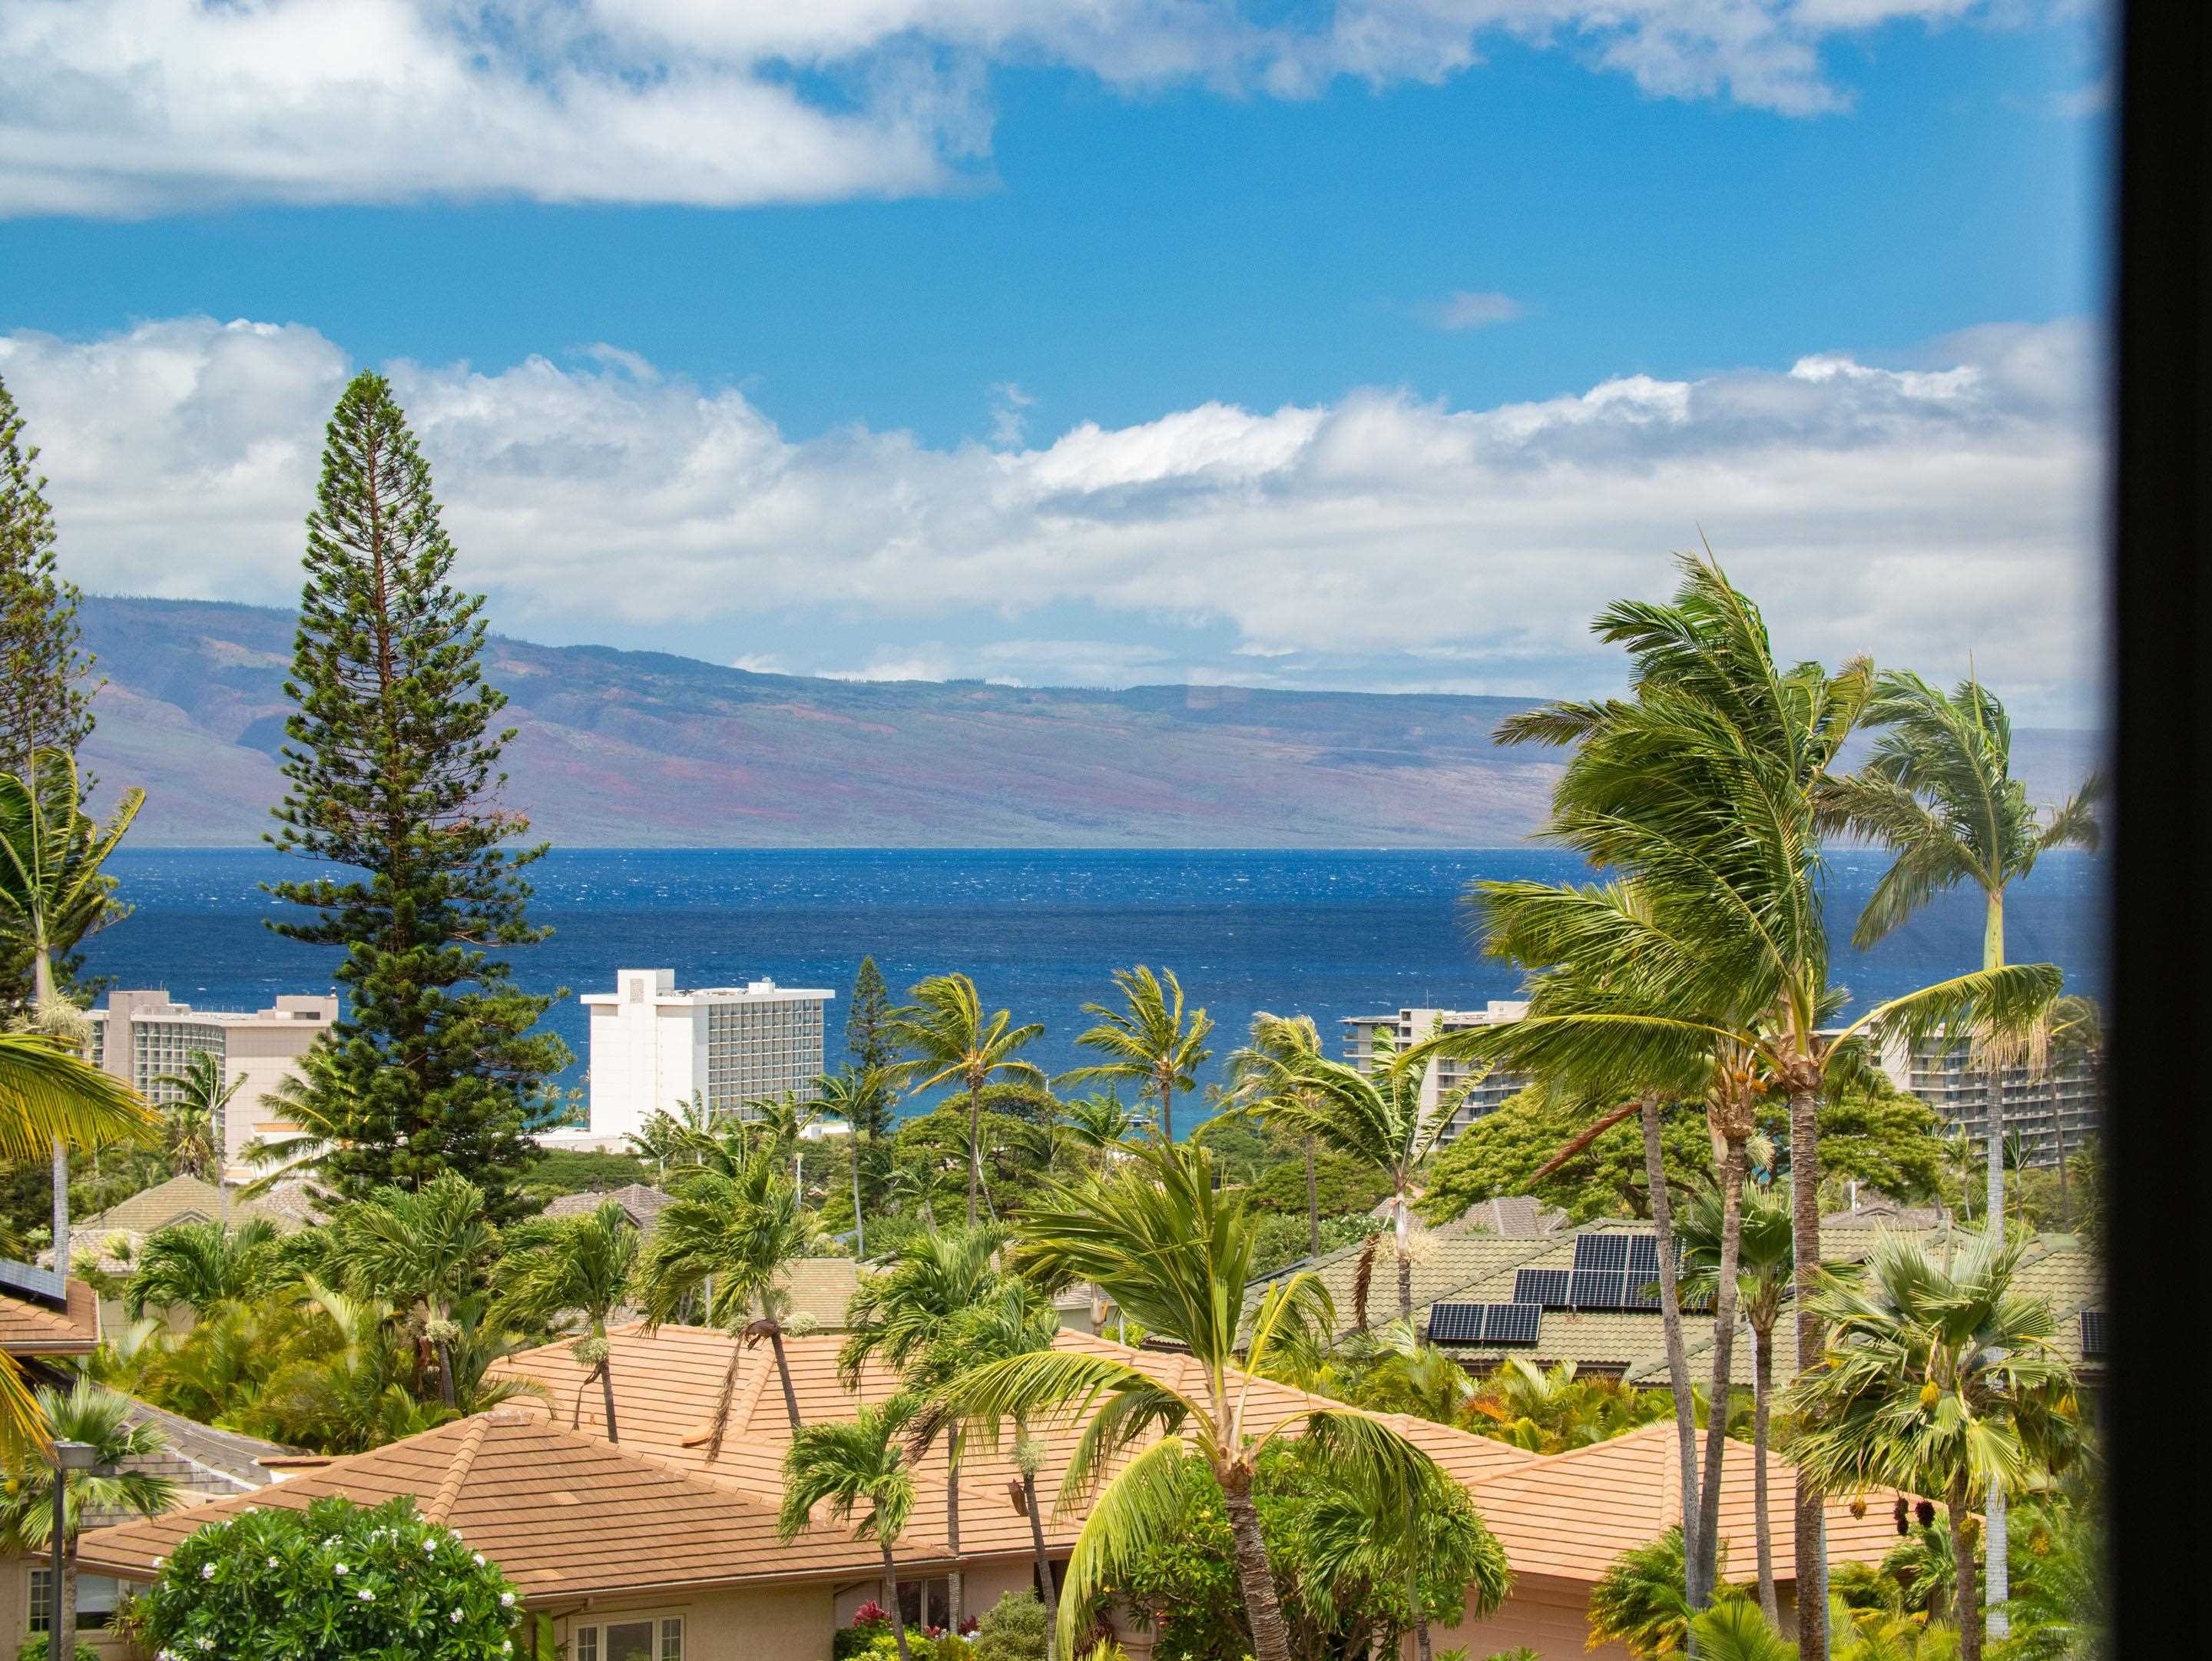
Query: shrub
x: 334, y: 1580
x: 1011, y: 1629
x: 870, y: 1622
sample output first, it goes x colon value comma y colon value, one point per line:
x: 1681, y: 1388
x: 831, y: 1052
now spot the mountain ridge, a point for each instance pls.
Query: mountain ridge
x: 621, y: 748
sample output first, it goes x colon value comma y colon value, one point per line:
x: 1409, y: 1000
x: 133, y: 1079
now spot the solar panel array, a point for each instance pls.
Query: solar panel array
x: 2092, y: 1334
x: 1545, y: 1287
x: 1485, y: 1324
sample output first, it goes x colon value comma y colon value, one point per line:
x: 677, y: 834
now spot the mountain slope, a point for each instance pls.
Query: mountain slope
x: 636, y: 749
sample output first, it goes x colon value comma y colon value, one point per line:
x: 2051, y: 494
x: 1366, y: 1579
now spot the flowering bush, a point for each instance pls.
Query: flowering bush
x: 334, y: 1581
x: 872, y: 1614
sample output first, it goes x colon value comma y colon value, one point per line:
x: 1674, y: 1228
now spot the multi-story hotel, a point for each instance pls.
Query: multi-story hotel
x: 654, y: 1046
x: 142, y: 1038
x: 2065, y: 1097
x: 1448, y: 1079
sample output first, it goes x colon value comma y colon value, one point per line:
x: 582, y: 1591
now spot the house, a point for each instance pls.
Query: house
x: 108, y: 1244
x: 642, y: 1205
x: 1629, y: 1342
x: 205, y: 1464
x: 656, y: 1537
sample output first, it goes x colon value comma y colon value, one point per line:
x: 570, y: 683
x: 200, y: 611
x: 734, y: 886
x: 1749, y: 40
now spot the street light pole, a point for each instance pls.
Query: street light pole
x: 61, y: 1623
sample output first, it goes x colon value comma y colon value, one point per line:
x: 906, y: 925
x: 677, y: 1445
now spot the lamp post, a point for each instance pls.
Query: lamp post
x: 61, y: 1625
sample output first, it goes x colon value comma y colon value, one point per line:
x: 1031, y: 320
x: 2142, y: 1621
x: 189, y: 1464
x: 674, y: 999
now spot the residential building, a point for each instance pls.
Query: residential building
x: 1473, y: 1093
x: 2040, y: 1105
x: 656, y: 1548
x: 654, y: 1047
x: 142, y: 1036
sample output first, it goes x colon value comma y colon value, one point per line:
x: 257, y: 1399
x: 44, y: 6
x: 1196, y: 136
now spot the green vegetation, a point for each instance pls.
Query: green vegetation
x: 848, y: 1466
x: 392, y: 767
x: 335, y: 1579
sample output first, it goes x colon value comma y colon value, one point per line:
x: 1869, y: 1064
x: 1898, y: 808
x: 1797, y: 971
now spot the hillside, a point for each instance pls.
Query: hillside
x: 635, y: 749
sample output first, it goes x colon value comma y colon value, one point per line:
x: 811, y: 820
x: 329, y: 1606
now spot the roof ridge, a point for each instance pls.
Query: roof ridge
x: 456, y: 1472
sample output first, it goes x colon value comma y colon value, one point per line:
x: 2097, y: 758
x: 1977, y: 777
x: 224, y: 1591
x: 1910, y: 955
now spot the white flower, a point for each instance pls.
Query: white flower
x: 430, y: 1548
x: 479, y: 1560
x: 506, y: 1600
x: 340, y: 1567
x: 455, y: 1617
x: 207, y: 1571
x: 158, y: 1561
x: 506, y: 1647
x: 366, y: 1595
x: 272, y: 1563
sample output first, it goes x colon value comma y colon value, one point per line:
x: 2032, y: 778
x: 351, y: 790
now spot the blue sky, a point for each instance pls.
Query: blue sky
x: 1350, y: 341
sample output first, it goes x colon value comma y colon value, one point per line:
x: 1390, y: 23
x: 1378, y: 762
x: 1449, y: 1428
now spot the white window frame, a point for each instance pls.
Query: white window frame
x: 587, y: 1637
x: 38, y: 1611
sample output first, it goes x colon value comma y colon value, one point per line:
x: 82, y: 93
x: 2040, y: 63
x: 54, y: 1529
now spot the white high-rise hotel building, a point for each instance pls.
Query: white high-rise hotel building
x: 653, y: 1046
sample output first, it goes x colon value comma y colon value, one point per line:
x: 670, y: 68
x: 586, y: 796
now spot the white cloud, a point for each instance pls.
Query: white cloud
x: 1916, y: 511
x: 146, y: 106
x: 1009, y: 419
x: 1470, y: 310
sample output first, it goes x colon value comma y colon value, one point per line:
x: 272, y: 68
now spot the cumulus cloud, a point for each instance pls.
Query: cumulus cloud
x: 1469, y: 309
x: 142, y: 106
x: 1916, y: 508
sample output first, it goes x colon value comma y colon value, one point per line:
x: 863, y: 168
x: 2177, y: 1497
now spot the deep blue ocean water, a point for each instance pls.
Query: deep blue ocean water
x: 1324, y: 934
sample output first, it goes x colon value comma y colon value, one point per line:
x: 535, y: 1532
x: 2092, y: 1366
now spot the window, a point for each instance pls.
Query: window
x: 630, y: 1638
x: 97, y: 1599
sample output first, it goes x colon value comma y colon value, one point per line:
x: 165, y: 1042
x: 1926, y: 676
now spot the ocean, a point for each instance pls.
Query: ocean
x: 1324, y: 934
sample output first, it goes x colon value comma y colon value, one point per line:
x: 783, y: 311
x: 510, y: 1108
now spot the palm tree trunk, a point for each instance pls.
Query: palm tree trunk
x: 2058, y: 1128
x: 1724, y: 1313
x: 446, y: 1373
x: 1966, y: 1612
x: 1811, y: 1542
x: 783, y: 1373
x: 975, y: 1151
x: 860, y: 1228
x: 953, y: 1577
x: 1670, y: 1319
x: 1994, y: 1503
x: 1046, y: 1590
x: 1404, y: 1232
x: 1167, y: 1113
x: 1762, y: 1392
x: 607, y: 1393
x: 1255, y: 1577
x: 1421, y: 1645
x: 892, y: 1599
x: 1313, y: 1200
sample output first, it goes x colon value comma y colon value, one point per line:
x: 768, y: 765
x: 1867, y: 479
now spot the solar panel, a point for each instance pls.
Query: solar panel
x: 1545, y: 1287
x: 1600, y: 1290
x: 2092, y: 1334
x: 1455, y: 1323
x: 1641, y: 1291
x: 1600, y: 1253
x: 1643, y: 1256
x: 1511, y: 1324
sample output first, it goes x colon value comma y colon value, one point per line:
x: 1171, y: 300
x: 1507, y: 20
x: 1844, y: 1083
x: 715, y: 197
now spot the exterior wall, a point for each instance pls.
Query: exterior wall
x: 986, y: 1583
x: 1940, y: 1072
x: 1477, y: 1096
x: 784, y: 1623
x: 1550, y: 1617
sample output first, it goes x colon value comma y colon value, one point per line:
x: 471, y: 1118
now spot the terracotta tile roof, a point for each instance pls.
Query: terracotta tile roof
x: 1443, y: 1265
x: 643, y: 1204
x: 665, y: 1387
x: 1568, y: 1516
x: 183, y: 1199
x: 1509, y: 1216
x: 563, y: 1514
x: 32, y: 1326
x: 822, y: 1289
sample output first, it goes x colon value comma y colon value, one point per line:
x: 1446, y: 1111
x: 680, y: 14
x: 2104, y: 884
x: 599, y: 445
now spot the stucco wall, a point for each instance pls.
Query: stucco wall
x: 765, y: 1624
x: 1550, y: 1617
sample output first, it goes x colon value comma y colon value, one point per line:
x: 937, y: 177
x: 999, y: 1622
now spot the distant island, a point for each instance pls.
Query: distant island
x: 645, y: 749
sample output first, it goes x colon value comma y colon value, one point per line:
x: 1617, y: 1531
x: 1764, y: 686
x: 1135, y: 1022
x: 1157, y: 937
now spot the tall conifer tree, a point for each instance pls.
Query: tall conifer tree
x: 44, y: 697
x: 867, y: 1024
x: 392, y: 761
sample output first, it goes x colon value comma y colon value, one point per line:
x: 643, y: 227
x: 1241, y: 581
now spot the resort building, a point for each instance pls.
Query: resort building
x: 655, y: 1047
x: 661, y: 1547
x: 1472, y: 1093
x: 2049, y: 1110
x: 142, y: 1038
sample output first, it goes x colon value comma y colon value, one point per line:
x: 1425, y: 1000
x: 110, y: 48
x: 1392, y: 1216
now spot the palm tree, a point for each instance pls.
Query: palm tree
x: 1155, y: 1235
x: 900, y: 1315
x: 1936, y: 1378
x: 950, y: 1041
x: 423, y: 1248
x: 1733, y: 1630
x: 1362, y: 1539
x: 575, y: 1265
x: 1098, y: 1123
x: 1378, y: 1118
x: 201, y: 1265
x: 1009, y: 1318
x: 2077, y: 1033
x: 732, y: 1235
x: 846, y: 1465
x: 1266, y: 1070
x: 101, y: 1419
x: 195, y: 1132
x: 53, y: 891
x: 1638, y: 1602
x: 1765, y: 1262
x: 1703, y: 788
x: 1148, y: 1039
x: 858, y: 1098
x: 1939, y: 792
